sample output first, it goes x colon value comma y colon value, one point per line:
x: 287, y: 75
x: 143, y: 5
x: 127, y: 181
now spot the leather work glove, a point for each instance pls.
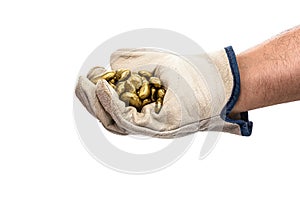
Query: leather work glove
x: 197, y: 98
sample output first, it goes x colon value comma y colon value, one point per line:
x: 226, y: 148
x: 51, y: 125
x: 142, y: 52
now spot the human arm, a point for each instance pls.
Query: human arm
x: 270, y: 72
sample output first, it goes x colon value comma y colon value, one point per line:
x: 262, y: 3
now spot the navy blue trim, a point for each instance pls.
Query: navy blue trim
x: 244, y: 123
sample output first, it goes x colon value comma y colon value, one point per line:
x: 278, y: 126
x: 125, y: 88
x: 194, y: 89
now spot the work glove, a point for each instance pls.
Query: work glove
x: 198, y: 97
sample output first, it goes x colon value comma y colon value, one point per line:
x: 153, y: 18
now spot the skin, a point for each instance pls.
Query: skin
x: 270, y: 72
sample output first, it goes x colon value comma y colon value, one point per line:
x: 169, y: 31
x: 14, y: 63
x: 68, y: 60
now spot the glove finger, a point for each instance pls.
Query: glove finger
x: 86, y: 93
x: 95, y: 73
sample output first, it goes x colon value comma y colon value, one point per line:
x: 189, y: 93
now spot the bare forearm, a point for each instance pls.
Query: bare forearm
x: 270, y: 72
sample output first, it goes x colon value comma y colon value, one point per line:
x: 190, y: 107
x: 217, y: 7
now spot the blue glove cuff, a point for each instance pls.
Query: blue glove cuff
x: 243, y: 122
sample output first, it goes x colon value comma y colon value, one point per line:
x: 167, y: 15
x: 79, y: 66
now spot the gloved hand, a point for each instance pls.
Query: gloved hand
x: 189, y: 105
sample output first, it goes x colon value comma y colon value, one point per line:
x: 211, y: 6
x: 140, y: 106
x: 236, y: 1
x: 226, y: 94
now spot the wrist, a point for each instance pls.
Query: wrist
x: 241, y: 104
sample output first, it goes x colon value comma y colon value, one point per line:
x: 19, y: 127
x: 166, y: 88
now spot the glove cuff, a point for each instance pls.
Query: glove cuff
x: 244, y: 123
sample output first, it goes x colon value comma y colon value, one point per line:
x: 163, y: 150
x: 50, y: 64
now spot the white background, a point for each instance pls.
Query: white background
x: 42, y: 47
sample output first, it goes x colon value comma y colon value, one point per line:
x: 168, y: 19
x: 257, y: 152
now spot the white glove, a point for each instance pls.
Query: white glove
x: 189, y: 105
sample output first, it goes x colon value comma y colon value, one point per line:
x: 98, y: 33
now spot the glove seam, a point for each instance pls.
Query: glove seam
x: 244, y: 123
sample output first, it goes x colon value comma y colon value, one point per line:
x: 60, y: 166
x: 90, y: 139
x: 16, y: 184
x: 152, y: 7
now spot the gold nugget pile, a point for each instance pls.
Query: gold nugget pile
x: 135, y: 89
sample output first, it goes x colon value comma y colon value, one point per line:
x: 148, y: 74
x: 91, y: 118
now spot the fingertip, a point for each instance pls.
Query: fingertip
x: 95, y: 71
